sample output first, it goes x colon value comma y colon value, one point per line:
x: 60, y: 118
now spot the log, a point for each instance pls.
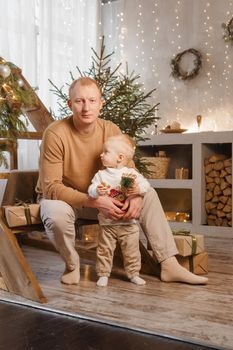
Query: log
x: 223, y: 173
x: 217, y: 190
x: 210, y: 186
x: 206, y: 161
x: 224, y: 185
x: 223, y: 199
x: 209, y: 206
x: 212, y: 217
x: 220, y: 206
x: 215, y: 199
x: 209, y: 195
x: 218, y: 194
x: 224, y: 222
x: 229, y: 179
x: 227, y: 191
x: 218, y: 165
x: 227, y: 162
x: 214, y: 173
x: 216, y: 157
x: 214, y: 211
x: 227, y: 209
x: 218, y: 222
x: 209, y: 179
x: 208, y: 168
x: 220, y: 214
x: 210, y: 222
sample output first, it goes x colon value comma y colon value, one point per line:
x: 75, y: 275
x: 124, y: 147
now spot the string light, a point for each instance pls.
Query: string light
x: 154, y: 45
x: 159, y: 30
x: 176, y: 46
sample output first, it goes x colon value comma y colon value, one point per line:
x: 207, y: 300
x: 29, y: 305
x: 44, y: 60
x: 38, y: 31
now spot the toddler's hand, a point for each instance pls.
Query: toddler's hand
x: 102, y: 189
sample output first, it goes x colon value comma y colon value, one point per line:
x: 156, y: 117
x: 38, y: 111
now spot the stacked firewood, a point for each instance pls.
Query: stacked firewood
x: 218, y: 195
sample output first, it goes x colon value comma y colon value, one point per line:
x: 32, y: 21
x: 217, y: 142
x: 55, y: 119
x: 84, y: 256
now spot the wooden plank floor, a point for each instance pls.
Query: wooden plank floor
x: 26, y: 328
x: 202, y: 314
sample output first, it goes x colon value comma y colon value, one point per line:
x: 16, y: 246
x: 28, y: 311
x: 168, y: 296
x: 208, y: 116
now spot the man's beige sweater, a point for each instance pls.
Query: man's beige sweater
x: 69, y: 160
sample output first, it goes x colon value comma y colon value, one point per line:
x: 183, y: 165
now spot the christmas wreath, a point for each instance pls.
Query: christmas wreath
x: 228, y: 30
x: 177, y: 71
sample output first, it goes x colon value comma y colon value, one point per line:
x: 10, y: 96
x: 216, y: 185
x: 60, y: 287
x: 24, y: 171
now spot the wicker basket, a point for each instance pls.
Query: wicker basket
x: 158, y: 168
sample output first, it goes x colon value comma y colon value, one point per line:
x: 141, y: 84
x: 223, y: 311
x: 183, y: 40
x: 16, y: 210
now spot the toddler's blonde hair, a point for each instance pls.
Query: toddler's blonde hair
x: 122, y: 144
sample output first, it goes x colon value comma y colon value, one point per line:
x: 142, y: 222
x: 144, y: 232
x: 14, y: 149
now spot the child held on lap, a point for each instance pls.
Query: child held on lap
x: 119, y: 182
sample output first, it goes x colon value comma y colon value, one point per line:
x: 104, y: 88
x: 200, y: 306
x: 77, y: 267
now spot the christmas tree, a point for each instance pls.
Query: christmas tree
x: 14, y: 98
x: 125, y: 102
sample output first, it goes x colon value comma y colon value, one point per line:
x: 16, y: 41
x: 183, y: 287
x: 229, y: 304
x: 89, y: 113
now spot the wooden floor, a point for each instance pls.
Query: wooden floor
x: 26, y: 328
x: 200, y: 314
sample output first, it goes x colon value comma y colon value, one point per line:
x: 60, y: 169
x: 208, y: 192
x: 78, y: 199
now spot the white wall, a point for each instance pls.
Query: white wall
x: 147, y: 34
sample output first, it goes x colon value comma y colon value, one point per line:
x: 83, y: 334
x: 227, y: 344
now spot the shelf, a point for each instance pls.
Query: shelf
x: 170, y: 139
x: 176, y: 225
x: 216, y: 231
x: 191, y: 151
x: 167, y: 183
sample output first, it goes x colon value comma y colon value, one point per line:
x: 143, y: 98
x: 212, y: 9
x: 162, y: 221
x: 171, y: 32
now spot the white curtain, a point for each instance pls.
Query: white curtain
x: 18, y: 45
x: 47, y: 39
x: 67, y: 31
x: 18, y: 35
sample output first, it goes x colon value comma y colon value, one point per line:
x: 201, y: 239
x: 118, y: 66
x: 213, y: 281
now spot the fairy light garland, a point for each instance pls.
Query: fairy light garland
x: 145, y: 51
x: 208, y: 30
x: 154, y: 45
x: 176, y: 43
x: 227, y: 71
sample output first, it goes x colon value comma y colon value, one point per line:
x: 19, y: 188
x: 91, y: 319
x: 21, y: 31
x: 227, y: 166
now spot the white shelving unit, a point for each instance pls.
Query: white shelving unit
x: 189, y: 151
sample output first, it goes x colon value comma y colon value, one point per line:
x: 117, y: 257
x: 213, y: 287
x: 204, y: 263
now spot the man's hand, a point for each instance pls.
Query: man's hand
x: 132, y: 207
x: 109, y: 207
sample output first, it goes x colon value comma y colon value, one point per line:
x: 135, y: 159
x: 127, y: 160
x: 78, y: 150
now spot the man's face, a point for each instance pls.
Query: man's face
x: 85, y: 102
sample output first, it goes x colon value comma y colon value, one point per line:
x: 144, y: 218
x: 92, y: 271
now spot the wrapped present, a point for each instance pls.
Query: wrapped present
x: 187, y: 243
x: 197, y: 263
x: 21, y: 215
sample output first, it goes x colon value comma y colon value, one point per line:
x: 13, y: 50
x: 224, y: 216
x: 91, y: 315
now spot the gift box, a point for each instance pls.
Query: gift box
x: 197, y: 263
x: 189, y: 244
x: 21, y: 215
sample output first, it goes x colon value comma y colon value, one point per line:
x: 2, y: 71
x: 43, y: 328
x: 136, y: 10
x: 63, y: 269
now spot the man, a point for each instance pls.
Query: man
x: 70, y: 156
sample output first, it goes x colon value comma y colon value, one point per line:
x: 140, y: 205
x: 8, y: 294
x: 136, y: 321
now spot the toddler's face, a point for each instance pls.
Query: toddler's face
x: 109, y: 156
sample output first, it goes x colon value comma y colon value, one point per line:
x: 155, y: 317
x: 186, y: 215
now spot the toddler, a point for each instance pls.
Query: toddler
x: 120, y: 182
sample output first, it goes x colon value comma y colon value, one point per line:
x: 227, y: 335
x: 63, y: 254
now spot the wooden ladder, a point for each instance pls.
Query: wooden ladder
x: 16, y: 275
